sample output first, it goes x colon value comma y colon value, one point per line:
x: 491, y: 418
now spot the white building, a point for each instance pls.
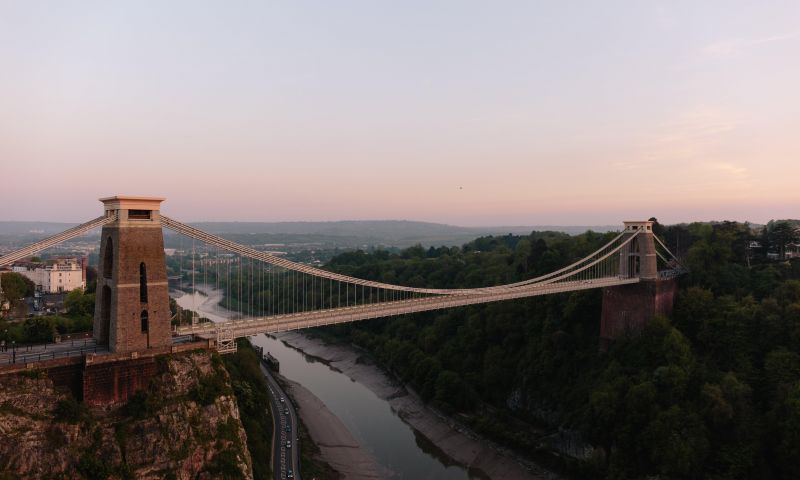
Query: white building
x: 63, y: 275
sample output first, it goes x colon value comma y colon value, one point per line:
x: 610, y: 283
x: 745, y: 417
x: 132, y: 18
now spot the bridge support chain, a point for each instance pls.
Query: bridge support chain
x: 73, y: 232
x: 226, y: 339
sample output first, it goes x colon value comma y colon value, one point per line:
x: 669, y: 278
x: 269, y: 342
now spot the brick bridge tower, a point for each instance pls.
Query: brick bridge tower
x: 132, y: 308
x: 629, y: 307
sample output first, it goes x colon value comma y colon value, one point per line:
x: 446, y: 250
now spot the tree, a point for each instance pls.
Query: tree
x: 79, y: 304
x: 677, y: 442
x: 450, y: 391
x: 91, y: 279
x: 38, y: 330
x: 789, y: 447
x: 16, y: 286
x: 779, y: 235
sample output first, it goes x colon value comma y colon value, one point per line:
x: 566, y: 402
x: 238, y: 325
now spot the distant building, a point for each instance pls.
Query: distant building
x: 793, y: 250
x: 55, y: 276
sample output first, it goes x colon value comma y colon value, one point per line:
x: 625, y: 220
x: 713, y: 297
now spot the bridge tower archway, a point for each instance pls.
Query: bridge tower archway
x: 639, y: 258
x: 102, y: 325
x: 132, y: 309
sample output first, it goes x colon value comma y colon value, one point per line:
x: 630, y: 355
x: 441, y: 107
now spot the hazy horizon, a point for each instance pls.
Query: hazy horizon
x: 400, y: 220
x: 463, y: 113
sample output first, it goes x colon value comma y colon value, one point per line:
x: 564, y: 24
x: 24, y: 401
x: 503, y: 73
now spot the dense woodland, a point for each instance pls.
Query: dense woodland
x: 712, y: 392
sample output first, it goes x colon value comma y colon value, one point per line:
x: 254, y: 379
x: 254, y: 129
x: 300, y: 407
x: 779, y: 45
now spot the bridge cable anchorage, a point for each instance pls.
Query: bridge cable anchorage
x: 306, y: 269
x: 69, y: 234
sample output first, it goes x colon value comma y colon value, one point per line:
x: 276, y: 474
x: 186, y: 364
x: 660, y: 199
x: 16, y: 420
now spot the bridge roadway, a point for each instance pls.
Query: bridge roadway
x: 10, y: 355
x: 295, y: 321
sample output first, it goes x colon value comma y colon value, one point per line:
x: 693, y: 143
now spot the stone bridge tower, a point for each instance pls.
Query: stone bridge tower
x: 132, y: 304
x: 628, y: 308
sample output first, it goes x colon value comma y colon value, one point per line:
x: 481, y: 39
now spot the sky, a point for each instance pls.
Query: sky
x: 461, y: 112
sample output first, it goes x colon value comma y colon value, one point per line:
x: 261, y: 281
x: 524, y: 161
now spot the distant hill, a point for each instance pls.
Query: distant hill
x: 399, y: 233
x: 25, y: 228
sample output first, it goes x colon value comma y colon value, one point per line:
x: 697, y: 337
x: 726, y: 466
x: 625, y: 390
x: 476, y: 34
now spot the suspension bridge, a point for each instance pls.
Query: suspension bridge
x: 275, y: 294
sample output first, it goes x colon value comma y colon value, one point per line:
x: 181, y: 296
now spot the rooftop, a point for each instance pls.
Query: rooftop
x: 132, y: 202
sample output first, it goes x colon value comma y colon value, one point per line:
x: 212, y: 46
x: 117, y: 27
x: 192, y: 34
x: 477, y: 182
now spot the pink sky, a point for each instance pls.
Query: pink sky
x: 458, y: 113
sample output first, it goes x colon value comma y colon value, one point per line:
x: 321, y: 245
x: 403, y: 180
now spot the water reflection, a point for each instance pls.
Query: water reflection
x: 370, y: 419
x: 394, y: 444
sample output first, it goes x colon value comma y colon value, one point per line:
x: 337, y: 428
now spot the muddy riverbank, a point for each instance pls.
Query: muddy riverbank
x: 480, y: 457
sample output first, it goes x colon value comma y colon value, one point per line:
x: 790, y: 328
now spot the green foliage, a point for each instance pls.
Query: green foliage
x: 16, y: 286
x: 209, y: 388
x: 711, y: 392
x: 250, y: 389
x: 38, y: 330
x: 71, y: 411
x: 79, y: 304
x: 43, y: 329
x: 142, y: 404
x: 226, y: 464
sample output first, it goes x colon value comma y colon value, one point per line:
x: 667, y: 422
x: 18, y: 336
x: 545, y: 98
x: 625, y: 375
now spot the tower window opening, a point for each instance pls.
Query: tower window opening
x: 145, y: 321
x: 105, y: 314
x: 108, y: 259
x: 139, y: 214
x: 142, y: 283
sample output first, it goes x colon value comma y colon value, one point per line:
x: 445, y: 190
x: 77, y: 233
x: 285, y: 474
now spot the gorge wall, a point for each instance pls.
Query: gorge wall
x: 185, y: 425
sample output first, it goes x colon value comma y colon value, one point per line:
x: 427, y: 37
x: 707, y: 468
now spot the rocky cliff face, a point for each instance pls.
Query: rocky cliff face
x: 186, y: 426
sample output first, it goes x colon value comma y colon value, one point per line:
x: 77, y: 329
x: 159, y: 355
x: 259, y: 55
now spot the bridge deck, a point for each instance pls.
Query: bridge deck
x: 296, y: 321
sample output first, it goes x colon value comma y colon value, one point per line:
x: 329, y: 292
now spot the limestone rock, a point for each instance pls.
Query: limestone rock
x: 186, y: 425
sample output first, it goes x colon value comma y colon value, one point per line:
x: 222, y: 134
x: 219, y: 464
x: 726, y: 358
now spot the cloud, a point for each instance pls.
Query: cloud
x: 729, y: 169
x: 690, y: 151
x: 705, y: 124
x: 732, y: 47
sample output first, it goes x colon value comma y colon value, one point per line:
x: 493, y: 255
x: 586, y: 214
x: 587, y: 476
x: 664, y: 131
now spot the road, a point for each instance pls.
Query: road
x: 285, y: 460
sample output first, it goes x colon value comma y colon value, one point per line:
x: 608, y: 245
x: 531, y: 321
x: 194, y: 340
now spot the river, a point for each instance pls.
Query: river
x: 394, y: 444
